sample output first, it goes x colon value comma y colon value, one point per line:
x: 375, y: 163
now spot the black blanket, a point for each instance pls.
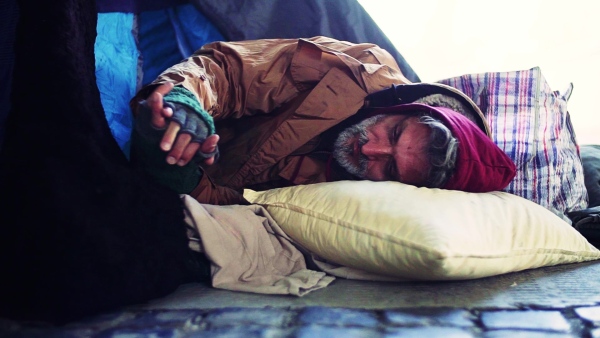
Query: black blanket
x: 82, y: 232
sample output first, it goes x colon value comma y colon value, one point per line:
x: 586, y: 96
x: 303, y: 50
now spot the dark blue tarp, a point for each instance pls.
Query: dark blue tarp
x: 340, y: 19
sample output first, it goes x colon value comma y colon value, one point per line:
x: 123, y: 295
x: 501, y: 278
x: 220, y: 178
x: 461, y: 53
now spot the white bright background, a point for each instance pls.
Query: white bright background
x: 446, y: 38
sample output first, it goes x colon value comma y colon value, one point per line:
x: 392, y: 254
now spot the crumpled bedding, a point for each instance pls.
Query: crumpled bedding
x: 248, y: 250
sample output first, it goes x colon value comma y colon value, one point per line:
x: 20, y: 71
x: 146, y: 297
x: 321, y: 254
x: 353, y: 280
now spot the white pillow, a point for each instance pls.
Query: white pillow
x: 398, y: 230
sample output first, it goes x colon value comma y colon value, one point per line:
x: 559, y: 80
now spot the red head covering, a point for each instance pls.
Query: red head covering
x: 480, y: 165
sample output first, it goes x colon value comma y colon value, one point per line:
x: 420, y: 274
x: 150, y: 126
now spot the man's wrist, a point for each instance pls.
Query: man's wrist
x: 146, y: 155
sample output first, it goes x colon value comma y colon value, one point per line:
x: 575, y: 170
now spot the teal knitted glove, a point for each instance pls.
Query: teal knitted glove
x: 192, y: 118
x: 187, y: 112
x: 146, y: 154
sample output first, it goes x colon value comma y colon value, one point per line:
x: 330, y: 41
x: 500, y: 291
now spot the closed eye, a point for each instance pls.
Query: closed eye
x: 394, y: 135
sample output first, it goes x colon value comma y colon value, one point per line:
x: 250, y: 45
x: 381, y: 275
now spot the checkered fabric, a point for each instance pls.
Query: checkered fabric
x: 530, y: 122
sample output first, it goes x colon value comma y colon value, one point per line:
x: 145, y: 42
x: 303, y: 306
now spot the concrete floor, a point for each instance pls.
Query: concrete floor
x: 559, y: 301
x: 552, y: 287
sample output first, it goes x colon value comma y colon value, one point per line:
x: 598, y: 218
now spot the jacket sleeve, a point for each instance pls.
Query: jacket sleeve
x: 234, y: 79
x: 208, y: 192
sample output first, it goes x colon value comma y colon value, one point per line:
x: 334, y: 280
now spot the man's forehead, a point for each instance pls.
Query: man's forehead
x: 403, y: 114
x: 393, y: 119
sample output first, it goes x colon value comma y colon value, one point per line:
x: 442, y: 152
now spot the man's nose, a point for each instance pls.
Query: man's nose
x: 375, y: 151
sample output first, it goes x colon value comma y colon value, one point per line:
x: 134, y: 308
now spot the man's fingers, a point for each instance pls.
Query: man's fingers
x: 210, y: 144
x: 209, y: 161
x: 164, y: 88
x: 188, y: 153
x: 169, y: 137
x: 159, y: 117
x: 155, y: 102
x: 181, y: 143
x: 181, y: 148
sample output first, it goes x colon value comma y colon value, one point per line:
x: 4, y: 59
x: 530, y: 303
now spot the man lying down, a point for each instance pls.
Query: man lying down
x: 273, y: 113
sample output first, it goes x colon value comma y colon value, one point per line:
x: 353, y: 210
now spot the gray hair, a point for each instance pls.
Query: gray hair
x: 441, y: 152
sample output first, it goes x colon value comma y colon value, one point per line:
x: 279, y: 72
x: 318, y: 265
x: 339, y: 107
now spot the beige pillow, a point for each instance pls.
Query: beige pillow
x: 398, y: 230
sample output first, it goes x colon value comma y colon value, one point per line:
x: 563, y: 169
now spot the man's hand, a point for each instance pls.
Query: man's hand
x: 179, y: 146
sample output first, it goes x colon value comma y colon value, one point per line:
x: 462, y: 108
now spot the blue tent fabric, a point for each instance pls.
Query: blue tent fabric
x: 169, y: 35
x: 117, y: 57
x: 165, y: 37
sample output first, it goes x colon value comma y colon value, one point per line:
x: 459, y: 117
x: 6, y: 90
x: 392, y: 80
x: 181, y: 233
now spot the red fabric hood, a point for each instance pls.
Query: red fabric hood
x: 481, y: 166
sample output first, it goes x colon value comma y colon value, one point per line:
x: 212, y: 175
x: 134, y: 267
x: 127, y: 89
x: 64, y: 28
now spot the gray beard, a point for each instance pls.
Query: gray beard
x: 343, y: 149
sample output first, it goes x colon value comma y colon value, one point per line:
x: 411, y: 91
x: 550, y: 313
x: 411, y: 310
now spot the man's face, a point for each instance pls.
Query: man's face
x: 385, y: 148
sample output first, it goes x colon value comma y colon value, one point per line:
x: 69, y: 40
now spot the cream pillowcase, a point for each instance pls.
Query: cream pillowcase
x: 401, y: 231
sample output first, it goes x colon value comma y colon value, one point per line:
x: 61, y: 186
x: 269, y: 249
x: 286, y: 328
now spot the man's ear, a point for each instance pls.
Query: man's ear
x: 440, y: 100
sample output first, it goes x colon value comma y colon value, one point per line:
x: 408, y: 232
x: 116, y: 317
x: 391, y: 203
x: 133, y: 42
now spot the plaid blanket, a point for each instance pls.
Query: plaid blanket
x: 530, y: 122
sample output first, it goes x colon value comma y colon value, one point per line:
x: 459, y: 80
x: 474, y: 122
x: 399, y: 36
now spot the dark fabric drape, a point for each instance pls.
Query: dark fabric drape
x: 262, y: 19
x: 8, y: 23
x: 81, y: 231
x: 135, y: 6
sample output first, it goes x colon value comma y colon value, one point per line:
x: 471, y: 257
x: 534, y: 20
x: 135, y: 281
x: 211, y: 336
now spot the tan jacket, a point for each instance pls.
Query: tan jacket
x: 271, y: 99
